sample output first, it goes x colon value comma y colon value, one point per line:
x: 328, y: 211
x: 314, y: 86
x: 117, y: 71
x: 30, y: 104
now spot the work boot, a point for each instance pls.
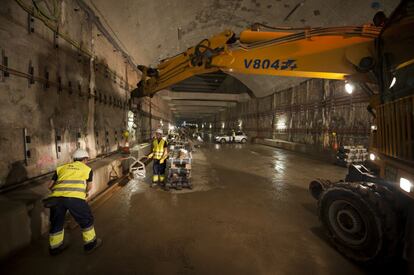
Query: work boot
x: 98, y: 243
x: 58, y: 250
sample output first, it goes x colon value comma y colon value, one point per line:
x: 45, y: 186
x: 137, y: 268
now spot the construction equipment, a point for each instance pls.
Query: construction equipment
x: 332, y: 53
x: 179, y: 165
x: 136, y: 168
x: 369, y: 215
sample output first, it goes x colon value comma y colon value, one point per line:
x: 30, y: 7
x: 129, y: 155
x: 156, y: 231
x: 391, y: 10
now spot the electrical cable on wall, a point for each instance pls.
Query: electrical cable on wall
x: 52, y: 13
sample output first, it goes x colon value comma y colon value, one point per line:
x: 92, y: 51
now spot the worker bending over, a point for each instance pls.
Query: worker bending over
x: 159, y: 154
x: 70, y: 186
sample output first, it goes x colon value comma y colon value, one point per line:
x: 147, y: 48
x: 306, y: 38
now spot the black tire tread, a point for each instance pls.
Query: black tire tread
x: 381, y: 202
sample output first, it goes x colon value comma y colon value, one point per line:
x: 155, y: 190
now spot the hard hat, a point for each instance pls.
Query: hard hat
x: 125, y: 134
x: 80, y: 154
x: 158, y: 131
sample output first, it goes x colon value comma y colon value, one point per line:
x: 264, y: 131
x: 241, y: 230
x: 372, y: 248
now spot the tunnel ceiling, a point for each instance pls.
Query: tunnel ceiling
x: 152, y: 30
x: 218, y: 82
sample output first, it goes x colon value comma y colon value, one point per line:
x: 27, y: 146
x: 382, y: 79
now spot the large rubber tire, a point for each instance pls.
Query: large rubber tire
x: 243, y: 140
x: 222, y: 141
x: 361, y: 221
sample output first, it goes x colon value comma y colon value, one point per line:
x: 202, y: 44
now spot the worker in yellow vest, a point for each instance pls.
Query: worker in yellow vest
x: 70, y: 186
x: 159, y: 154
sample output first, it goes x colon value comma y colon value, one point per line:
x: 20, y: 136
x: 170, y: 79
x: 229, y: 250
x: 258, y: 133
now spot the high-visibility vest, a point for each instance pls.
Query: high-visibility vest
x: 71, y: 180
x: 158, y: 148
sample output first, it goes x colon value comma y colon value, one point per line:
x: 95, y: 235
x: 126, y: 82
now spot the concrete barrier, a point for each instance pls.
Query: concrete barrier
x: 22, y: 215
x: 312, y: 150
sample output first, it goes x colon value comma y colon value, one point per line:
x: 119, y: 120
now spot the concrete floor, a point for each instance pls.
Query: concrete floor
x: 249, y: 213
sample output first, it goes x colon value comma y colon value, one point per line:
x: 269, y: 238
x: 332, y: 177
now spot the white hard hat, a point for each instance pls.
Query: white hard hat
x: 158, y: 131
x: 80, y: 154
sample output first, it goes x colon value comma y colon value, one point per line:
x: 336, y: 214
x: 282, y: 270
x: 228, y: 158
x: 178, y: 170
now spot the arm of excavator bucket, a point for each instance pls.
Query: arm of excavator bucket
x: 330, y: 53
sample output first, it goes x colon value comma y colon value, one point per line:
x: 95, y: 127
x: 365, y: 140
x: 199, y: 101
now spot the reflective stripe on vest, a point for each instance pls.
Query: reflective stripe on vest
x: 158, y: 148
x: 71, y: 181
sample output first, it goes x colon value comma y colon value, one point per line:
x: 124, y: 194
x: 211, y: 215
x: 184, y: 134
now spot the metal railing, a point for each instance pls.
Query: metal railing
x: 395, y: 134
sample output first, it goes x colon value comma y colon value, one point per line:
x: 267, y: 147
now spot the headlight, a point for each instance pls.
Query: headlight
x: 405, y: 185
x: 349, y: 88
x: 372, y: 156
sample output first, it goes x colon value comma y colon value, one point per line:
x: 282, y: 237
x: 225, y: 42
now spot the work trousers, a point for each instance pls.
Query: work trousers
x: 81, y: 212
x: 158, y: 170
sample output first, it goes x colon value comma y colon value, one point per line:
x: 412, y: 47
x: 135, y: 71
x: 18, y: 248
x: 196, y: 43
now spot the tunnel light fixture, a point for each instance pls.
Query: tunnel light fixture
x: 374, y: 127
x: 393, y: 81
x: 222, y: 125
x: 281, y: 125
x: 406, y: 185
x: 211, y: 126
x: 372, y: 156
x: 349, y: 88
x: 130, y: 120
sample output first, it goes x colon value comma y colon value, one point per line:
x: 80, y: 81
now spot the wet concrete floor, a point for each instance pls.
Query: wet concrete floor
x: 249, y: 213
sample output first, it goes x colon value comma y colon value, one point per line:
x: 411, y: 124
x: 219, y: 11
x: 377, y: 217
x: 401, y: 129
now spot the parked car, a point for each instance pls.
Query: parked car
x: 240, y: 137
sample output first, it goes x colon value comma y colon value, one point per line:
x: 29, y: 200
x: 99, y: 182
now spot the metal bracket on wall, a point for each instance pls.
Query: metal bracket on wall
x: 106, y: 140
x: 46, y: 84
x: 30, y: 23
x: 80, y: 55
x: 31, y: 73
x: 78, y: 138
x: 116, y: 137
x: 27, y: 141
x: 58, y: 142
x: 80, y: 90
x: 56, y: 40
x: 5, y: 63
x: 97, y: 137
x: 115, y: 78
x: 70, y: 87
x: 59, y: 86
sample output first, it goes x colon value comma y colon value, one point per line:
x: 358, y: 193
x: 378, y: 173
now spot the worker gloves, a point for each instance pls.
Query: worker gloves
x: 161, y: 160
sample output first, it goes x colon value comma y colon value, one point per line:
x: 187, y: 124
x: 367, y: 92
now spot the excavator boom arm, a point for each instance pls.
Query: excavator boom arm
x: 330, y: 53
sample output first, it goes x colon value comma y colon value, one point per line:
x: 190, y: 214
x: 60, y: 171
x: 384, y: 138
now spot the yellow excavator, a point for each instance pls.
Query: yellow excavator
x: 369, y: 216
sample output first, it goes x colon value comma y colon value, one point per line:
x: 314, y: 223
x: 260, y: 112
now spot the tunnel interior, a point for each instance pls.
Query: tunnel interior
x: 68, y: 69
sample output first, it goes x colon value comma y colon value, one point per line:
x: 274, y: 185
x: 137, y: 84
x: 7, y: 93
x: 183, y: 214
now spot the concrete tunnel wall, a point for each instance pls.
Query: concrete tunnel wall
x: 64, y: 95
x: 60, y: 95
x: 314, y: 117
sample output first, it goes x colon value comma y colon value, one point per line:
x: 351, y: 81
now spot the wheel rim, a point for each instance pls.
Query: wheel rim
x: 347, y: 223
